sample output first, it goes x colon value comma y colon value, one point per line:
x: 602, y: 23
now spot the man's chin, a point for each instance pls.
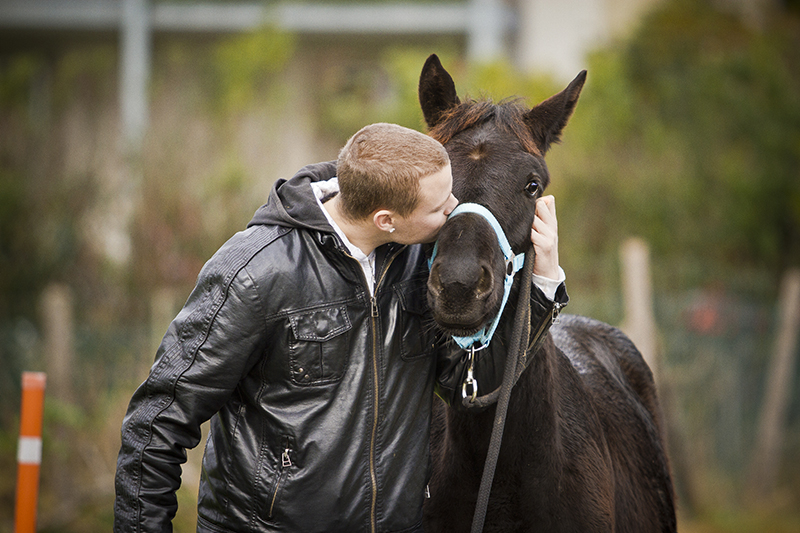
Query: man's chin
x: 430, y: 239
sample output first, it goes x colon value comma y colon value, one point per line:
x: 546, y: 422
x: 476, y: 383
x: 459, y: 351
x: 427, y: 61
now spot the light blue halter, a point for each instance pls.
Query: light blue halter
x: 513, y: 265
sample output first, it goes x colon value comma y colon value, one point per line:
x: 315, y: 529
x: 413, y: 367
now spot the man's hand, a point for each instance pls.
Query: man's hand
x: 544, y: 236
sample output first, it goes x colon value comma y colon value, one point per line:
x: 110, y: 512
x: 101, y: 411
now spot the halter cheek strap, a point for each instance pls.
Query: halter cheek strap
x: 481, y: 339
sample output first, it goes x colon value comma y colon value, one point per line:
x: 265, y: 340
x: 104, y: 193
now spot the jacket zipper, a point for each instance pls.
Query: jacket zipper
x: 375, y: 382
x: 286, y: 462
x: 537, y: 339
x: 376, y: 403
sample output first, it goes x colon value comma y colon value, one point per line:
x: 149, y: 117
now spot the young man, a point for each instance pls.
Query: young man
x: 305, y: 343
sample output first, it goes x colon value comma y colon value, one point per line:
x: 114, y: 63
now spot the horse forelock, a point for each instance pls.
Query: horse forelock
x: 508, y: 115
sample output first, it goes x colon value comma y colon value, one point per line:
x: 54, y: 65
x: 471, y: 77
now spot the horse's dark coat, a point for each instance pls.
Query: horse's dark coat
x: 583, y: 446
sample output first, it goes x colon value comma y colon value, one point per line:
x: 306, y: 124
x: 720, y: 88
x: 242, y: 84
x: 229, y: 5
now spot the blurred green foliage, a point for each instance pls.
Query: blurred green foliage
x: 357, y: 92
x: 243, y: 66
x: 385, y: 90
x: 733, y: 94
x: 690, y: 134
x: 40, y: 216
x: 57, y: 173
x: 184, y: 217
x: 333, y: 2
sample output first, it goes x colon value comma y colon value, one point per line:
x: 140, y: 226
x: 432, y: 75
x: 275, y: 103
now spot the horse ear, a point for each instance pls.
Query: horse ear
x: 547, y: 119
x: 437, y: 92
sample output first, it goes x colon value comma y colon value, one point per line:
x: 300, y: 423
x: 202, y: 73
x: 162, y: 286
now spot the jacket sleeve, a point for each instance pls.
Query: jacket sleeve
x: 211, y: 344
x: 453, y: 362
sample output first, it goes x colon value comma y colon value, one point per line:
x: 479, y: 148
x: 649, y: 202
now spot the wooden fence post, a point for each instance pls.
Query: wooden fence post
x: 766, y: 458
x: 639, y: 324
x: 58, y: 325
x: 637, y: 292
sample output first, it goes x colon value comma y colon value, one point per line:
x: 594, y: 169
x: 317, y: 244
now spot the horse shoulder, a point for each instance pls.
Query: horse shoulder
x: 595, y: 348
x: 613, y: 370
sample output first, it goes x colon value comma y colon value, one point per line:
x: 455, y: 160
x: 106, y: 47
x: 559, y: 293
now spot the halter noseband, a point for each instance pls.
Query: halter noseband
x: 481, y: 339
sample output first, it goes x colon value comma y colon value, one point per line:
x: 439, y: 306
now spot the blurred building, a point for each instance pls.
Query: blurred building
x: 538, y: 35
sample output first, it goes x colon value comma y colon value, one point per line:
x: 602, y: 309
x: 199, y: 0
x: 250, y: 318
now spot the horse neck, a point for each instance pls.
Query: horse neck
x: 532, y: 408
x: 536, y: 385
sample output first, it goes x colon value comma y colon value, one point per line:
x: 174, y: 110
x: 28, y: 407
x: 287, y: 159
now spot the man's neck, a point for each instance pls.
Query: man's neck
x: 362, y: 234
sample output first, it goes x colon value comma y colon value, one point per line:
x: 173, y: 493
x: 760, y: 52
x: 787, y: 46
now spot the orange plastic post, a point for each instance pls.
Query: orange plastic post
x: 29, y: 452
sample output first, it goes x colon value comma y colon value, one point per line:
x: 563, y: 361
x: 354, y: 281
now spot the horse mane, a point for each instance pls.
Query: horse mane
x: 508, y: 115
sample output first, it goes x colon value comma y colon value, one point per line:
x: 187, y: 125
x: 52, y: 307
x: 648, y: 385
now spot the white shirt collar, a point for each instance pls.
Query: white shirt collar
x: 324, y: 189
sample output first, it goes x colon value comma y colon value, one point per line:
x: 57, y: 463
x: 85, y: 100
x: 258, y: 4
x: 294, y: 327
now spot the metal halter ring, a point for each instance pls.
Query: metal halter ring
x: 470, y: 379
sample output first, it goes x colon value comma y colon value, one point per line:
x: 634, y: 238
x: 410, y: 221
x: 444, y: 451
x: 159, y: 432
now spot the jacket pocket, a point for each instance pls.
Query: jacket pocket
x: 319, y: 347
x: 418, y: 338
x: 282, y: 472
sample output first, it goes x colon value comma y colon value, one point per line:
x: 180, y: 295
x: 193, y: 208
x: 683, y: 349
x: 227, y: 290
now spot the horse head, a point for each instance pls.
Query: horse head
x: 497, y: 156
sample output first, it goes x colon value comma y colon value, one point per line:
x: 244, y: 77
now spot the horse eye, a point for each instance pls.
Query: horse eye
x: 531, y: 188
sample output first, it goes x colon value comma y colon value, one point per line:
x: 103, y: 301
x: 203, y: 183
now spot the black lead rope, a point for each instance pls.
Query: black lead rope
x: 517, y: 347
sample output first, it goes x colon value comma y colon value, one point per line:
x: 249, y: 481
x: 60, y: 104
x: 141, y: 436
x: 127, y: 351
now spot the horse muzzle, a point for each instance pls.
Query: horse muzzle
x: 465, y: 285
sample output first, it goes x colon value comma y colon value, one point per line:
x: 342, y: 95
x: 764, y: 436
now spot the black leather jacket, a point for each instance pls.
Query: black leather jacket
x: 319, y: 395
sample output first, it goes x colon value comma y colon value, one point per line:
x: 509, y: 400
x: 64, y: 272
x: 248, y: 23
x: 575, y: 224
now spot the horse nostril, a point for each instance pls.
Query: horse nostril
x: 434, y: 280
x: 485, y: 281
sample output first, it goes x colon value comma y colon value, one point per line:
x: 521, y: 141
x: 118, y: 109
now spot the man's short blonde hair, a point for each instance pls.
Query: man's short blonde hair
x: 380, y: 168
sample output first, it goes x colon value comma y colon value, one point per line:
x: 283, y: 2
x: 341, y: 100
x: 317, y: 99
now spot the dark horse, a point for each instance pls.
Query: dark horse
x: 583, y: 448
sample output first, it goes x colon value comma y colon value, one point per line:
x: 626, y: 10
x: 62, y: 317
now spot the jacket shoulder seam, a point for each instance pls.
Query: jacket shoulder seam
x: 231, y: 264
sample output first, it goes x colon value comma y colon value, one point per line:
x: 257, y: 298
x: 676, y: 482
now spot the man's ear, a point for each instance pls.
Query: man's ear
x: 383, y: 219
